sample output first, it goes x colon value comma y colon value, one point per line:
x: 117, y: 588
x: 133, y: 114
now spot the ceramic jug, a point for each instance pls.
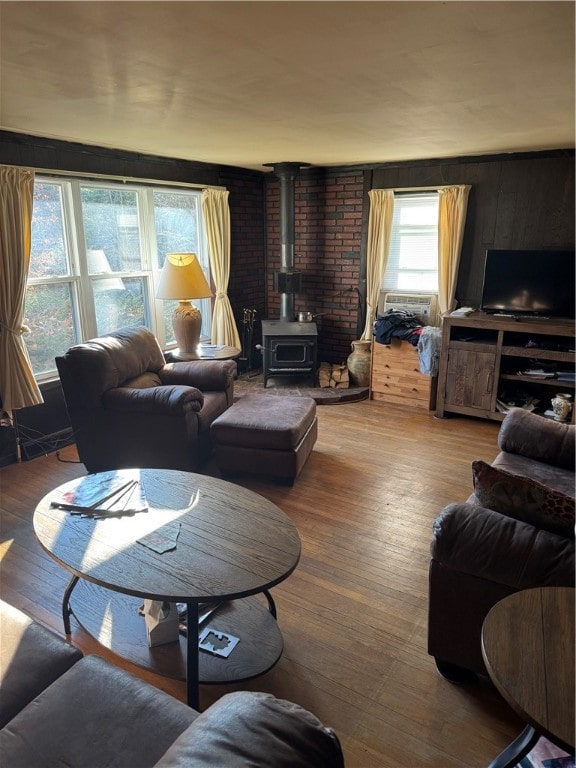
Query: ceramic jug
x: 562, y: 406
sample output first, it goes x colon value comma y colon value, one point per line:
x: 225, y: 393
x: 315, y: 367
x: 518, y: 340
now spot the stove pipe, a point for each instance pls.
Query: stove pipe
x: 287, y: 280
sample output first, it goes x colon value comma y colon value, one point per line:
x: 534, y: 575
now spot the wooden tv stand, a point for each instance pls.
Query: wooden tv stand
x: 483, y: 357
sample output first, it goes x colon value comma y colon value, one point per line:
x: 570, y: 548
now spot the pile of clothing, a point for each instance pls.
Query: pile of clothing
x: 398, y: 323
x: 402, y: 324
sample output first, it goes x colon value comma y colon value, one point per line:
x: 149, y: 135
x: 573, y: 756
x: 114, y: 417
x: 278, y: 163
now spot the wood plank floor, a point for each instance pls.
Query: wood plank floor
x: 354, y: 613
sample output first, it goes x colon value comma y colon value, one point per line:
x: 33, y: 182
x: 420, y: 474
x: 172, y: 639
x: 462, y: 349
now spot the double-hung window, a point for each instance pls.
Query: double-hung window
x: 96, y: 256
x: 412, y: 265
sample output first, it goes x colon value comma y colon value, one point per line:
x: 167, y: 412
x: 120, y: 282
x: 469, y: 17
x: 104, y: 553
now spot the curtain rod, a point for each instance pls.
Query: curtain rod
x: 408, y: 190
x: 112, y: 177
x: 435, y: 188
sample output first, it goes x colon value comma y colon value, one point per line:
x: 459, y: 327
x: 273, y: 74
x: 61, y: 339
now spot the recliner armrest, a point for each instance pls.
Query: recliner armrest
x: 164, y: 399
x: 483, y: 543
x: 206, y: 375
x: 536, y: 437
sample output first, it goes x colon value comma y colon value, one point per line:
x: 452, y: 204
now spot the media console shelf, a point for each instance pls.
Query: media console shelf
x: 485, y: 362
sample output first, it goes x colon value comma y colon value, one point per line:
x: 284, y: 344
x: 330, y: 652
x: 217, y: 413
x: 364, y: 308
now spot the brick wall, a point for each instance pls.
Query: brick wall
x: 328, y: 208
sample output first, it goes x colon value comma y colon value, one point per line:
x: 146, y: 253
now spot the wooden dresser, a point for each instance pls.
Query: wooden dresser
x: 395, y: 376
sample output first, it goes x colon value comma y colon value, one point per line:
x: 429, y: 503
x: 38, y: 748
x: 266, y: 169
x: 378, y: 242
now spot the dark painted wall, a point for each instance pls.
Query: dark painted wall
x: 516, y: 201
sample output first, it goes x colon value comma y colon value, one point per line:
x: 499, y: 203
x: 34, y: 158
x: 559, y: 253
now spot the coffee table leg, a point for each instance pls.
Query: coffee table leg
x: 192, y: 657
x: 66, y: 610
x: 518, y: 749
x: 271, y: 603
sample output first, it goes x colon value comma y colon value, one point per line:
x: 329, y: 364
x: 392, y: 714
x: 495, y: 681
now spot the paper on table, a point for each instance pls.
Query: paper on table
x: 127, y: 501
x: 92, y: 491
x: 163, y: 540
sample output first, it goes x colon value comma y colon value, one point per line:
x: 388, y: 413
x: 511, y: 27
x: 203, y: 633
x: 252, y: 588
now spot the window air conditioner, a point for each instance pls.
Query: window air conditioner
x: 422, y: 305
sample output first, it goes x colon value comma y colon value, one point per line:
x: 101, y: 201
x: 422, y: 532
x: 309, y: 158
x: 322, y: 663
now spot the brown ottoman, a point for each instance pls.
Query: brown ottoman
x: 265, y: 434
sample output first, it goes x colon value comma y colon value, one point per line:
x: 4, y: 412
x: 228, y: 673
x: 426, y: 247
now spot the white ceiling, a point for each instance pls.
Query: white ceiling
x: 327, y: 83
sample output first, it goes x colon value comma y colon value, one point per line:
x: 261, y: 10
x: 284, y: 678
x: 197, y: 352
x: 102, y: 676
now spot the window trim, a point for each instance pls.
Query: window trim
x: 78, y: 276
x: 399, y: 193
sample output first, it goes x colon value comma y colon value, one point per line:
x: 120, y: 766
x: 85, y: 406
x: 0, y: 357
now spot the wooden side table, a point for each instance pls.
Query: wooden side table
x: 528, y: 649
x: 205, y: 352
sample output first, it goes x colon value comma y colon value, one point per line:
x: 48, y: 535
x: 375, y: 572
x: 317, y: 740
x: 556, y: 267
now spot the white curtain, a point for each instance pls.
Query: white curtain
x: 379, y: 232
x: 18, y: 388
x: 216, y: 214
x: 452, y: 205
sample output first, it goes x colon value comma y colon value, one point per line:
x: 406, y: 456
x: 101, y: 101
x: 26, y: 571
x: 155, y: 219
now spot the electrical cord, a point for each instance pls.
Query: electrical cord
x: 28, y: 437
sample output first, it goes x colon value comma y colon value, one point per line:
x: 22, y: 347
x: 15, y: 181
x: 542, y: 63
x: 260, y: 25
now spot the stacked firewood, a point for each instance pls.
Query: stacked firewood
x: 333, y: 375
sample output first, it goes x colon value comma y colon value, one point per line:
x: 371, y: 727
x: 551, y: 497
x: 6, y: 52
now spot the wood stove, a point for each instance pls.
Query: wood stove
x: 289, y: 349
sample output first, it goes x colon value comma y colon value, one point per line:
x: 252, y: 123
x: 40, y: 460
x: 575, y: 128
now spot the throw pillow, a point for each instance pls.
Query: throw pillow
x: 523, y: 498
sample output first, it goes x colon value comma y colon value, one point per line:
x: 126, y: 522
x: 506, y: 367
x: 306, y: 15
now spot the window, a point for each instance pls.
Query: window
x: 413, y: 258
x: 97, y: 251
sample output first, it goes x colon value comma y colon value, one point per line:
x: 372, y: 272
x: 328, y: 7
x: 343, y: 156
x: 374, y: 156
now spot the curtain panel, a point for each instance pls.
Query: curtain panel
x: 452, y: 205
x: 216, y: 214
x: 18, y: 388
x: 379, y: 233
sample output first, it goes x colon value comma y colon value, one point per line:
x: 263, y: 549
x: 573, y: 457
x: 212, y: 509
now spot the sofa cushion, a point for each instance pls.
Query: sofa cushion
x: 257, y: 730
x: 555, y: 478
x: 31, y: 657
x: 94, y: 716
x: 536, y: 437
x: 104, y: 363
x: 144, y: 381
x: 497, y: 552
x: 523, y: 498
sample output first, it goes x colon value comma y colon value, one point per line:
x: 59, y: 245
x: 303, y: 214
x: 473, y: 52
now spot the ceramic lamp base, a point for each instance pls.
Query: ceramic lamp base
x: 187, y: 324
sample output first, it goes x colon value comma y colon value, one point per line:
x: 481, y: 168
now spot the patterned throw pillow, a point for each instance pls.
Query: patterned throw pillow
x: 523, y: 498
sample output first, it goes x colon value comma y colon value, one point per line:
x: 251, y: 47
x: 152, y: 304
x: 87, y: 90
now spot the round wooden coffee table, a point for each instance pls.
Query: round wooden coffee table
x: 528, y: 649
x: 233, y: 545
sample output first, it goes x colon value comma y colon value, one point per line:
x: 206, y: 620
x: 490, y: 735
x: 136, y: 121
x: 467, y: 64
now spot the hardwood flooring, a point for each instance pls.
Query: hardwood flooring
x: 354, y: 613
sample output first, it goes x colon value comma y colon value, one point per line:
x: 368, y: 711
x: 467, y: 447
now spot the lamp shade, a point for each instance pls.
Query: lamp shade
x: 182, y: 278
x: 98, y: 265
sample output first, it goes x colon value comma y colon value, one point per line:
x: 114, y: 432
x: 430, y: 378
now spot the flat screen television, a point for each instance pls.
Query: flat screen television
x: 531, y: 283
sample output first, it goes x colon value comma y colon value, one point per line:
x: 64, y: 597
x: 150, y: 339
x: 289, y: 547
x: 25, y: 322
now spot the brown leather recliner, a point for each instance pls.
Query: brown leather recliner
x: 129, y: 408
x: 480, y: 556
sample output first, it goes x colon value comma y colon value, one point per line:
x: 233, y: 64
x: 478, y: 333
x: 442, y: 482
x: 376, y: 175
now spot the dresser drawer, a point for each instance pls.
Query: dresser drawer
x: 395, y: 375
x: 399, y: 356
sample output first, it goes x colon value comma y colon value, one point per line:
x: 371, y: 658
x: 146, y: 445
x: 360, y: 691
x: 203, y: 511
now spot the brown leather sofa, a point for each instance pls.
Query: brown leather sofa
x: 129, y: 408
x: 480, y: 555
x: 61, y: 709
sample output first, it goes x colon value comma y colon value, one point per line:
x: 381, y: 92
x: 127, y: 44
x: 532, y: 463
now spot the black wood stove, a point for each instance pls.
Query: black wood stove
x: 289, y: 349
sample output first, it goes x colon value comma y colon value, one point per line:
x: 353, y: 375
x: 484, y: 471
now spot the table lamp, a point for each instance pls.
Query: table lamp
x: 182, y: 279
